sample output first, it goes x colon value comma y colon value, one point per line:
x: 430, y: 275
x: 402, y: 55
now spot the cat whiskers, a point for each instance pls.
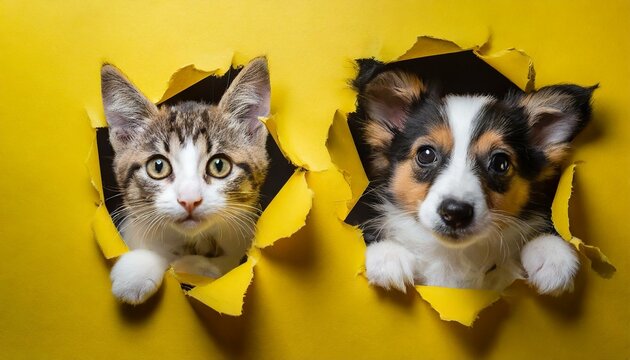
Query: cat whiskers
x: 240, y: 217
x: 142, y: 216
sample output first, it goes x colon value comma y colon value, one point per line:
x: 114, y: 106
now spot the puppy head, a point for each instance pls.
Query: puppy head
x: 464, y: 166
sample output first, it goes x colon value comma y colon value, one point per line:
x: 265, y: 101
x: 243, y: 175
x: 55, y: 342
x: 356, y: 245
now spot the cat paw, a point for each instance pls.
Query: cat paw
x: 551, y: 264
x: 389, y: 265
x: 137, y: 275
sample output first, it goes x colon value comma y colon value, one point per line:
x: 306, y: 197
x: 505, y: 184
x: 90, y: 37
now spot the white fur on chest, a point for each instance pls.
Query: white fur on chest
x: 492, y: 262
x: 232, y: 241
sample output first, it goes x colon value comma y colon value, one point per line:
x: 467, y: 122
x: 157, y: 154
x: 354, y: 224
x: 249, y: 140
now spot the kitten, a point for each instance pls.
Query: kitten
x: 190, y: 176
x: 464, y: 184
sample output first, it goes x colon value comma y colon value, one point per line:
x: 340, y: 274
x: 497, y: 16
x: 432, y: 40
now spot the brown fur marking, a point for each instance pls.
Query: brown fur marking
x: 439, y: 137
x: 409, y: 193
x: 513, y: 200
x: 489, y: 141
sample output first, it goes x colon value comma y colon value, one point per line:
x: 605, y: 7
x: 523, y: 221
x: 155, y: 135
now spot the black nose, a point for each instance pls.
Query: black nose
x: 456, y: 214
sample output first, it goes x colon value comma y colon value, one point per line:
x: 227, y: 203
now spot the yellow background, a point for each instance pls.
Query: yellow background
x: 306, y: 300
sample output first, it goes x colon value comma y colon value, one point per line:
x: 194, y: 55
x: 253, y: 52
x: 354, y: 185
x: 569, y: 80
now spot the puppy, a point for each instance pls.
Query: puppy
x: 463, y: 185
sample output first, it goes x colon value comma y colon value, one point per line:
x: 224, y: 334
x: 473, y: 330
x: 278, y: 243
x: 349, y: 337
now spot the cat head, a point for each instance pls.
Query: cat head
x: 189, y: 165
x: 463, y: 165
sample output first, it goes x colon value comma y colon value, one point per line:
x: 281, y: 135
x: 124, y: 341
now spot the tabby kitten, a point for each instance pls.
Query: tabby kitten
x: 190, y: 176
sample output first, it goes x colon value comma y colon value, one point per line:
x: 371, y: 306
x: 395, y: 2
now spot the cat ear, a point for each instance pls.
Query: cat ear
x: 127, y: 110
x: 387, y: 100
x: 248, y: 97
x: 556, y: 114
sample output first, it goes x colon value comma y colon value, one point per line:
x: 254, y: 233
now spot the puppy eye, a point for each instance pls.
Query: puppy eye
x: 158, y: 167
x: 426, y: 155
x: 499, y: 163
x: 219, y: 167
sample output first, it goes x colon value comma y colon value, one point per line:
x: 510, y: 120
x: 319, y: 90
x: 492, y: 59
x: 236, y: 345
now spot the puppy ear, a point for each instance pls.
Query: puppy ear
x: 249, y: 97
x: 127, y: 110
x: 387, y: 100
x: 556, y: 114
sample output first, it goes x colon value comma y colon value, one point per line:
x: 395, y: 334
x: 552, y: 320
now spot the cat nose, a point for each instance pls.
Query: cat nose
x: 456, y: 214
x: 189, y: 205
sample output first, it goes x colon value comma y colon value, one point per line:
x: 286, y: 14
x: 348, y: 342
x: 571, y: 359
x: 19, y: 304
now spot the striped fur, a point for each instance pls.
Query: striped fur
x: 178, y: 210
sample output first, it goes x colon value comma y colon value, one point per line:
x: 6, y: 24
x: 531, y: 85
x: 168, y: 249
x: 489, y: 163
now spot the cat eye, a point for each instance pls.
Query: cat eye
x: 499, y: 163
x: 219, y: 166
x: 426, y: 155
x: 158, y: 167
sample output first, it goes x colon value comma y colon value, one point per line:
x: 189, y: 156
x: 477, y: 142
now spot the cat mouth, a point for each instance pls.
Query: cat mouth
x: 189, y: 221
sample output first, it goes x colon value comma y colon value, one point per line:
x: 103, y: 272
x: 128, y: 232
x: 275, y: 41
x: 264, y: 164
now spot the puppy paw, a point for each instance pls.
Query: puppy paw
x: 551, y: 264
x: 389, y: 265
x: 137, y: 275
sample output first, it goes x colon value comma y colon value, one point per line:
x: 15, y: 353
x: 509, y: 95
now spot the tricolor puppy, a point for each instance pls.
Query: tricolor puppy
x: 465, y: 183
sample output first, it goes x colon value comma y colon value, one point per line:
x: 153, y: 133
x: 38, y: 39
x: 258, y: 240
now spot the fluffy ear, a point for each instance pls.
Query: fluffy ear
x: 127, y: 110
x: 387, y: 100
x: 248, y: 97
x: 556, y: 114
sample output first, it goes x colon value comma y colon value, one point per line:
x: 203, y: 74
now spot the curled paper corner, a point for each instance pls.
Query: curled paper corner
x: 272, y: 127
x: 459, y: 305
x: 560, y: 217
x: 226, y: 294
x: 345, y: 158
x: 286, y: 213
x: 107, y: 236
x: 512, y: 63
x: 189, y: 75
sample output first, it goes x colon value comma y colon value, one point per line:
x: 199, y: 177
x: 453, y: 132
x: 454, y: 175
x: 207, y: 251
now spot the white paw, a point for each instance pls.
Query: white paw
x: 197, y: 265
x: 551, y: 264
x: 389, y: 265
x: 137, y: 275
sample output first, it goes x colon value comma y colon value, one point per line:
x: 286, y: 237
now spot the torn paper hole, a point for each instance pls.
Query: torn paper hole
x: 284, y: 181
x: 460, y: 71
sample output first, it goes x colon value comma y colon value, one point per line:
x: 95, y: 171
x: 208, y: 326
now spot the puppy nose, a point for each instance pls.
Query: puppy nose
x: 189, y: 205
x: 456, y: 214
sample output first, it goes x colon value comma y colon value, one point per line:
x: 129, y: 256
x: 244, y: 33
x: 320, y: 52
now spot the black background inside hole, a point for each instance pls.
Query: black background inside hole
x: 208, y: 90
x: 459, y: 73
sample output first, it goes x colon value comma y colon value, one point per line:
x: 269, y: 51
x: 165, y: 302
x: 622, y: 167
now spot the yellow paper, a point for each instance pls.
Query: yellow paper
x: 286, y: 213
x: 460, y: 305
x: 226, y: 294
x: 560, y: 215
x: 107, y: 235
x: 345, y: 157
x: 188, y: 76
x: 306, y: 301
x: 514, y: 64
